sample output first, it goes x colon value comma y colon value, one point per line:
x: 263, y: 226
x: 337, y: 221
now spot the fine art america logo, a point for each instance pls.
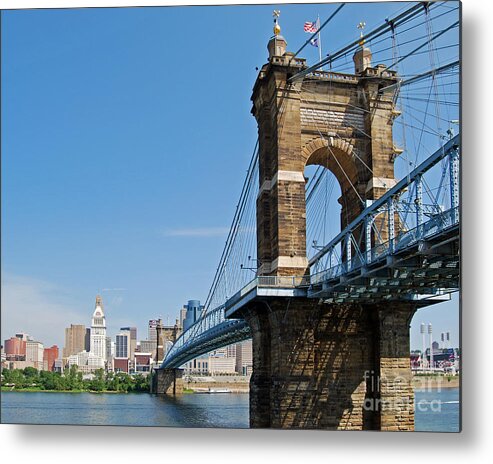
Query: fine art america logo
x: 401, y: 398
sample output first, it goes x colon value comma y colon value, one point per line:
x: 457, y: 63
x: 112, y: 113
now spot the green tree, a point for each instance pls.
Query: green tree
x: 73, y: 378
x: 141, y: 383
x: 31, y: 375
x: 99, y: 381
x: 14, y: 376
x: 47, y: 380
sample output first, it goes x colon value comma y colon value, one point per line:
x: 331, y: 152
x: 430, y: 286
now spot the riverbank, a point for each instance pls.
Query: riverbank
x: 232, y: 383
x: 40, y: 390
x: 419, y: 382
x: 435, y: 382
x: 233, y: 387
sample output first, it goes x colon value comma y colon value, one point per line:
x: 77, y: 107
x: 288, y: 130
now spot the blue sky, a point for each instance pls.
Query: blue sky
x: 126, y: 135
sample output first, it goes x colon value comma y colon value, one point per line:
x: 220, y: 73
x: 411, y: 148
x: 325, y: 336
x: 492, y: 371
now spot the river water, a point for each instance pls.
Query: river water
x: 435, y: 410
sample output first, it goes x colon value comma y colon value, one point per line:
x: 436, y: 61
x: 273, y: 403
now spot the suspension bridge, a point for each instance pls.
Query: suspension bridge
x: 326, y: 286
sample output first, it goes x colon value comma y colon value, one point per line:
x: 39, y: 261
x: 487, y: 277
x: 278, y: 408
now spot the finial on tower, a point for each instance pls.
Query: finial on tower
x: 99, y: 301
x: 277, y: 28
x: 361, y: 26
x: 362, y: 57
x: 277, y: 44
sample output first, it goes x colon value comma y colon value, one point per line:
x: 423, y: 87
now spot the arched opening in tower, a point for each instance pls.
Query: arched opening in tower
x: 323, y: 208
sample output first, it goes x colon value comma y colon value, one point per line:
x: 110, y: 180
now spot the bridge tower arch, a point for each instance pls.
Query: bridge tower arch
x: 339, y: 121
x: 319, y: 365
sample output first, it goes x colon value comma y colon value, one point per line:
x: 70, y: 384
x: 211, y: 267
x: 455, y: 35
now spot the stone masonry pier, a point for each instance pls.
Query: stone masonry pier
x: 320, y: 365
x: 325, y: 366
x: 167, y: 382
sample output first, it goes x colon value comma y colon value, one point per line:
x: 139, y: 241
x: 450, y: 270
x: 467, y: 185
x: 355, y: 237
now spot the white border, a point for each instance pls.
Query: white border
x: 74, y: 444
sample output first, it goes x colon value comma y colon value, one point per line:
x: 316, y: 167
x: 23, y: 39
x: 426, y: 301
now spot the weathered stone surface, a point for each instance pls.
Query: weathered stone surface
x: 329, y: 366
x: 318, y: 365
x: 339, y: 121
x: 167, y: 381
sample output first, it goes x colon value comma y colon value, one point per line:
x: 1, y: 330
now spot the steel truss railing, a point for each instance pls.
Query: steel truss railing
x: 210, y: 332
x: 349, y: 240
x: 434, y: 226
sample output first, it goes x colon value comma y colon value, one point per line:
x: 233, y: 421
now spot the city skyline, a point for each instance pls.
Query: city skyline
x: 107, y: 211
x: 142, y: 329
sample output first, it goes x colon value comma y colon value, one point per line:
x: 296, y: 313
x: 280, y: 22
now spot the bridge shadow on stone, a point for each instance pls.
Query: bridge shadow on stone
x: 318, y: 366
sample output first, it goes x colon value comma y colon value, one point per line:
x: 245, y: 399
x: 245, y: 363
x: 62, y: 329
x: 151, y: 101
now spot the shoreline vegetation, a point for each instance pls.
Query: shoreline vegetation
x: 40, y: 390
x: 72, y: 381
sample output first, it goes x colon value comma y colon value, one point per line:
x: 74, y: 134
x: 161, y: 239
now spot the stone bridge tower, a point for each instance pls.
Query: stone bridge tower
x: 318, y: 365
x: 339, y: 121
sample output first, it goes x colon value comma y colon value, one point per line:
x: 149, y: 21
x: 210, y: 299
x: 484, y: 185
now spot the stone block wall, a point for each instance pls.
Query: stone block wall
x: 168, y: 382
x: 330, y: 366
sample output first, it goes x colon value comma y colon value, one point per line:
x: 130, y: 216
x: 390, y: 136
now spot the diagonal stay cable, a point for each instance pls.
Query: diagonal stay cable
x: 413, y: 11
x: 424, y: 44
x: 233, y: 229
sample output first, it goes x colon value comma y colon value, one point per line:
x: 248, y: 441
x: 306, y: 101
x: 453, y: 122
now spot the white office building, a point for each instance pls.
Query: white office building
x: 34, y: 353
x: 244, y: 357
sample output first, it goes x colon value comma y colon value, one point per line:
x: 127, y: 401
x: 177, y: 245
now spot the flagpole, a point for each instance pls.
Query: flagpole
x: 319, y: 40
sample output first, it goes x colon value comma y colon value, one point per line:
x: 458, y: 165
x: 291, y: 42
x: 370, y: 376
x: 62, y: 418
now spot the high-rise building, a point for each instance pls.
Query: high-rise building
x: 231, y: 351
x: 122, y: 345
x: 244, y: 357
x: 132, y: 330
x: 15, y: 349
x: 50, y: 355
x: 74, y: 339
x: 110, y: 348
x: 35, y: 353
x: 183, y: 315
x: 194, y: 310
x: 87, y: 340
x: 98, y: 330
x: 133, y: 339
x: 152, y: 330
x: 148, y: 346
x: 23, y: 336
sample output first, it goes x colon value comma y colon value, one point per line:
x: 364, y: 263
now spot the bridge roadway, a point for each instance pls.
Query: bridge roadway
x: 419, y: 265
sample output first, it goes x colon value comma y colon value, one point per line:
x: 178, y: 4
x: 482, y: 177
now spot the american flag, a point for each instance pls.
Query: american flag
x: 310, y: 27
